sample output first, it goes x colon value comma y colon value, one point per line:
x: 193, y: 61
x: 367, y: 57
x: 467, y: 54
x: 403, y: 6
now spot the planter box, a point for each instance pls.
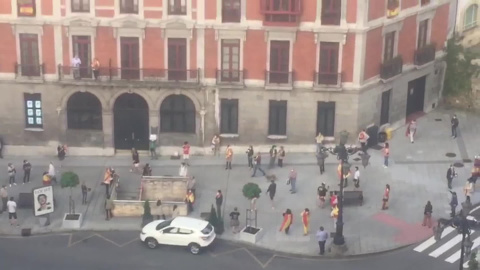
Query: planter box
x: 251, y: 234
x: 72, y: 221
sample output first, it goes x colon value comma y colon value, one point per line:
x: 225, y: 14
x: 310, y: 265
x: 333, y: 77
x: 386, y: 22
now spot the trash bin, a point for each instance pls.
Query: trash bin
x: 382, y: 137
x: 373, y: 135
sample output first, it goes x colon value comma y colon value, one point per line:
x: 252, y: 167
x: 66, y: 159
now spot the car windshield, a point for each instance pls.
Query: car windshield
x: 207, y: 229
x: 164, y: 224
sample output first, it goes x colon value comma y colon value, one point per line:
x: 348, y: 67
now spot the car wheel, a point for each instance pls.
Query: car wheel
x: 151, y: 243
x: 194, y: 248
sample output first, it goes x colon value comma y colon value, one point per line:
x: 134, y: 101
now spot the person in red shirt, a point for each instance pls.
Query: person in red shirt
x: 386, y: 155
x: 186, y: 152
x: 333, y: 199
x: 386, y: 196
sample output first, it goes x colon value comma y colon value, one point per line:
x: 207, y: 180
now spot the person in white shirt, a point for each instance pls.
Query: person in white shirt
x: 76, y: 62
x: 183, y: 170
x: 51, y: 172
x: 12, y: 212
x: 356, y: 178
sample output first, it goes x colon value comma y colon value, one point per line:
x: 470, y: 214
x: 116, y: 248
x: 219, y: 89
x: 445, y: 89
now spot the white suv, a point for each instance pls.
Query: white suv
x: 180, y: 231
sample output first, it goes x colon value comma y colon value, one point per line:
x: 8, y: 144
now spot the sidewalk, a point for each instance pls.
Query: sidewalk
x: 416, y: 175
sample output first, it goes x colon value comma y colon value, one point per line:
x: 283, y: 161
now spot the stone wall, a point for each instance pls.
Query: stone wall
x: 135, y: 208
x: 164, y: 188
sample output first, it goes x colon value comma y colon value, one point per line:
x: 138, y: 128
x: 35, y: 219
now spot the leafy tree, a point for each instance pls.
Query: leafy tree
x: 70, y: 180
x: 473, y: 263
x: 460, y: 69
x: 251, y: 190
x: 216, y: 221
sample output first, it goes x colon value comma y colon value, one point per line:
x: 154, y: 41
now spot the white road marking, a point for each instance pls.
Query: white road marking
x: 456, y: 256
x: 445, y: 247
x: 432, y: 240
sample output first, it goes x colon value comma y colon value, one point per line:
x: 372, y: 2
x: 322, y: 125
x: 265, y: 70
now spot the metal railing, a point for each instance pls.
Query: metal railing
x: 391, y: 68
x: 327, y: 79
x: 28, y: 70
x: 230, y: 77
x: 279, y: 78
x: 424, y: 55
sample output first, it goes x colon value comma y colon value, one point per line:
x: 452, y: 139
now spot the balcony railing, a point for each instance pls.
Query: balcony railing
x: 29, y: 70
x: 391, y: 68
x: 279, y: 78
x: 327, y: 79
x: 231, y: 77
x: 111, y: 74
x: 424, y: 55
x: 285, y: 12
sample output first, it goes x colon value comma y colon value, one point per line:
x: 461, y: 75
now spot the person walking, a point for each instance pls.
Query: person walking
x: 52, y: 173
x: 84, y: 192
x: 281, y: 156
x: 11, y: 174
x: 453, y: 203
x: 451, y: 173
x: 186, y: 152
x: 305, y: 221
x: 147, y: 170
x: 108, y: 208
x: 215, y: 144
x: 363, y: 139
x: 467, y: 206
x: 183, y: 171
x: 287, y: 221
x: 322, y: 237
x: 427, y: 215
x: 12, y: 212
x: 190, y: 200
x: 258, y: 164
x: 95, y: 68
x: 4, y: 197
x: 322, y: 193
x: 292, y: 178
x: 27, y: 167
x: 386, y: 197
x: 321, y: 156
x: 334, y: 216
x: 136, y: 161
x: 333, y: 198
x: 218, y: 202
x: 250, y: 157
x: 319, y: 142
x: 356, y: 178
x: 411, y: 130
x: 386, y: 154
x: 272, y: 189
x: 234, y: 222
x: 153, y: 147
x: 273, y: 156
x: 365, y: 159
x: 61, y: 152
x: 454, y: 122
x: 228, y: 158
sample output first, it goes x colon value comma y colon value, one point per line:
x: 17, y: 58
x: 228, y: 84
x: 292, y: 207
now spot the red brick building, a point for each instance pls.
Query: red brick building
x: 254, y: 71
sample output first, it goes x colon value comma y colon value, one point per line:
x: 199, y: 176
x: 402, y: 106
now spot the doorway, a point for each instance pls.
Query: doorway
x: 130, y: 58
x: 130, y: 114
x: 385, y: 107
x: 326, y: 118
x: 81, y: 48
x: 416, y: 96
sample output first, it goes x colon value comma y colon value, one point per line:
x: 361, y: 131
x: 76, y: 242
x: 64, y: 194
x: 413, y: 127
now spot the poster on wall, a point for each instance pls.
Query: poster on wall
x: 43, y: 200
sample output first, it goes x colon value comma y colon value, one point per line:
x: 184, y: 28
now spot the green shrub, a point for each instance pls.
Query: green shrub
x: 251, y: 190
x: 69, y: 179
x: 473, y: 263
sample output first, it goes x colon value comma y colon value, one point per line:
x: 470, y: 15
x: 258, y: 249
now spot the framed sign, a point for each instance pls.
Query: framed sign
x: 43, y: 201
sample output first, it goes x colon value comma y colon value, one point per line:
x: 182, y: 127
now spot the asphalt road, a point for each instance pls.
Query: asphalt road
x: 124, y: 251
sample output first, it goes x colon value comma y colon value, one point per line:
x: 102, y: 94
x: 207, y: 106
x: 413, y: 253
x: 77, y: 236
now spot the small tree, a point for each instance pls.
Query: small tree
x: 251, y: 190
x: 216, y: 221
x: 473, y: 263
x: 70, y: 180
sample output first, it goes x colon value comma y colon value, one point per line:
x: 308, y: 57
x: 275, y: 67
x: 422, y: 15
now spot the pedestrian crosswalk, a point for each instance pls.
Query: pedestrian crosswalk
x: 448, y: 248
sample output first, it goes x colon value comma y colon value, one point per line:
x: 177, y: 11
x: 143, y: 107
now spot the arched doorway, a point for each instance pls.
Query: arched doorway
x: 130, y: 114
x: 84, y: 112
x: 177, y: 114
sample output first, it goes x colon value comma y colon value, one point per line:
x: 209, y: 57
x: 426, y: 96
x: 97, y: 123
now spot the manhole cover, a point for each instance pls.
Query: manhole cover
x: 450, y: 154
x: 356, y: 159
x: 458, y: 164
x: 438, y: 119
x: 467, y: 160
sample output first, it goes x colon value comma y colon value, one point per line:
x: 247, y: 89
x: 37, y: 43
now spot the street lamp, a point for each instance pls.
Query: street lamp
x: 338, y: 239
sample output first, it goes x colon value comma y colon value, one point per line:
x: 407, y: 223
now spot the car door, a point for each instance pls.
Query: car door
x: 184, y: 237
x: 167, y: 236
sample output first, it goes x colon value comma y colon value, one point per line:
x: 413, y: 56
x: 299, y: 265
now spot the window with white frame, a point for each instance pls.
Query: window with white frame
x: 470, y: 20
x: 177, y: 7
x: 33, y: 110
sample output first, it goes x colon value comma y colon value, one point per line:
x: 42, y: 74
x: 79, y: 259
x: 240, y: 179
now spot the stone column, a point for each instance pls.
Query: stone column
x: 154, y: 121
x: 108, y: 141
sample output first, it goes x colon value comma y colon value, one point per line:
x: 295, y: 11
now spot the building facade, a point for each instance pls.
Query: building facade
x: 255, y: 71
x: 467, y: 22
